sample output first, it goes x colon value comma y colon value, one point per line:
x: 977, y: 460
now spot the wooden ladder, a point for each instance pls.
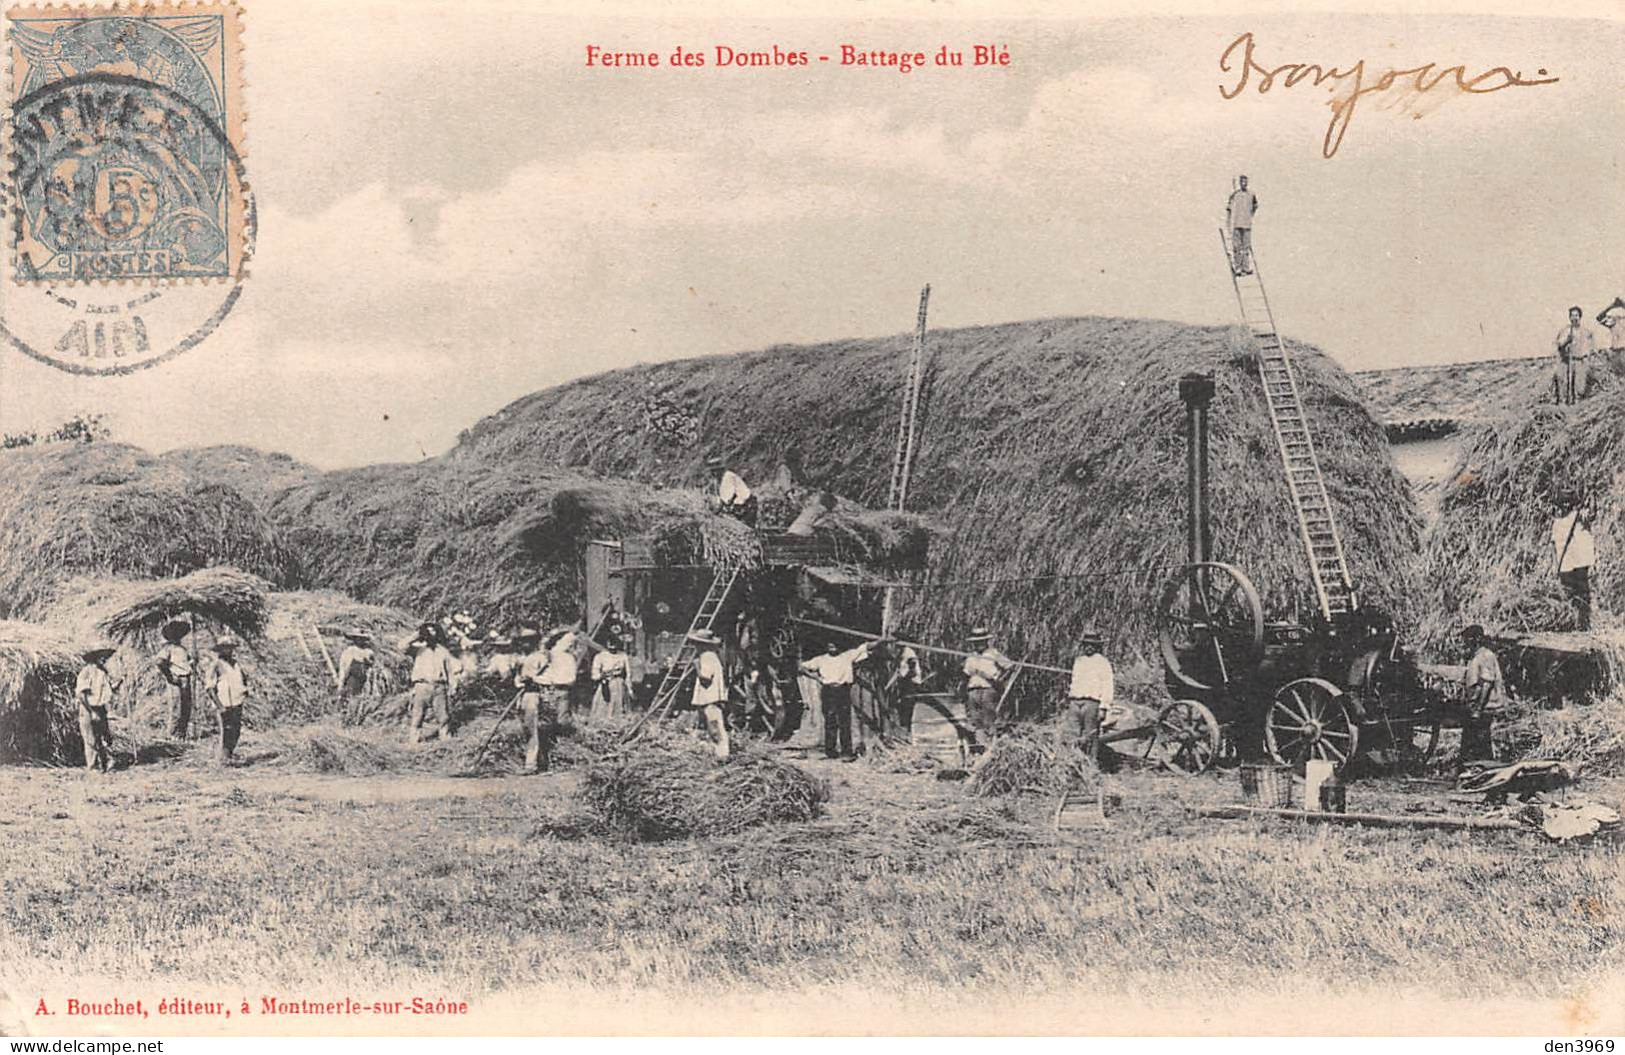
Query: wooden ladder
x: 1334, y: 588
x: 902, y: 465
x: 705, y: 618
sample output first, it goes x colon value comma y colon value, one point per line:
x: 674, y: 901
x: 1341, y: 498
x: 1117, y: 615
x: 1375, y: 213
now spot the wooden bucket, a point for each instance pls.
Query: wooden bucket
x: 938, y: 727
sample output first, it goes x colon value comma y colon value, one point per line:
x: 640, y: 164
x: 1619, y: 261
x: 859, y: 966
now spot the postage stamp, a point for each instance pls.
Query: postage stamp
x: 125, y: 143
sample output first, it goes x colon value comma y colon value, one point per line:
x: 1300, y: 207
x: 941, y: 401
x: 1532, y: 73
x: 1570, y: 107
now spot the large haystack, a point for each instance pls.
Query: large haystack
x: 107, y: 509
x: 259, y: 476
x: 1050, y: 448
x: 38, y: 717
x: 1489, y: 559
x: 506, y: 542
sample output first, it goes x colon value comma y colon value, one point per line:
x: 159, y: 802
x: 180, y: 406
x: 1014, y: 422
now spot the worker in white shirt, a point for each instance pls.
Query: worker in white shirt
x: 611, y: 671
x: 175, y: 664
x: 355, y: 663
x: 711, y: 689
x: 733, y: 497
x: 983, y: 670
x: 538, y: 698
x: 1239, y: 218
x: 1483, y: 693
x: 1575, y: 343
x: 1090, y: 698
x: 93, y: 691
x: 564, y: 670
x: 1575, y: 552
x: 1613, y: 319
x: 230, y: 687
x: 907, y: 680
x: 835, y: 671
x: 431, y: 679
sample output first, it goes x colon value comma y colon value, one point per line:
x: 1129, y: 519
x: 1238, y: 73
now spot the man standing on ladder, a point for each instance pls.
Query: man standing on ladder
x: 1239, y: 218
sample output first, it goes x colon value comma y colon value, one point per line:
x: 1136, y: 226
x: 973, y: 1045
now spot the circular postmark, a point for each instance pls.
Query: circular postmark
x: 133, y: 224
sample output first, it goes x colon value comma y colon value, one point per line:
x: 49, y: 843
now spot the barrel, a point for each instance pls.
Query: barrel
x: 938, y: 727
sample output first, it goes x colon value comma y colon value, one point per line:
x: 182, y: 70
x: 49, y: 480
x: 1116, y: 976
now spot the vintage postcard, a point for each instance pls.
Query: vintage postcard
x: 547, y: 519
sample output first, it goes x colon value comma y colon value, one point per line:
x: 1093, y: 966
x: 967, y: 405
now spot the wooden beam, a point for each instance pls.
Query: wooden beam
x: 1369, y: 820
x: 915, y: 644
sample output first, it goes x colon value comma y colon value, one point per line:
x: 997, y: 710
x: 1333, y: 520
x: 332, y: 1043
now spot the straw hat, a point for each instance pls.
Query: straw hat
x: 1091, y: 636
x: 355, y: 633
x: 174, y: 630
x: 525, y: 634
x: 93, y: 654
x: 705, y: 637
x: 979, y: 633
x: 226, y: 643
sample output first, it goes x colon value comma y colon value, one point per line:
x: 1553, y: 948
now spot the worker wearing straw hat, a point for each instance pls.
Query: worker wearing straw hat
x: 431, y: 680
x: 983, y: 670
x: 733, y: 497
x: 93, y: 690
x: 355, y: 662
x: 539, y: 699
x: 175, y: 664
x: 711, y: 689
x: 230, y: 686
x: 1089, y: 697
x: 611, y: 670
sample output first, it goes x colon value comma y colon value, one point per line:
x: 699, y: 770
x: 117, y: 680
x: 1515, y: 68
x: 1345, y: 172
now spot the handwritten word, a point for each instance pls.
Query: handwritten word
x: 1421, y: 79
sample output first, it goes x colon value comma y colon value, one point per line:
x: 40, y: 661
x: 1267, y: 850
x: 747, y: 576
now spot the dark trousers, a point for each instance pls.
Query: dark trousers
x: 982, y: 708
x: 180, y: 707
x: 231, y: 730
x: 97, y: 735
x: 837, y: 720
x: 1577, y: 585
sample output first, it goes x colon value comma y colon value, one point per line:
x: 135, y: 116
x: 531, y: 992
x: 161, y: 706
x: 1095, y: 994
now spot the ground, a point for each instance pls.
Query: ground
x: 899, y: 909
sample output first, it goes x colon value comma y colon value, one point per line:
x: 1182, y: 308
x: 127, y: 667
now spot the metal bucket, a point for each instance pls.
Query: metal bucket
x: 1267, y: 785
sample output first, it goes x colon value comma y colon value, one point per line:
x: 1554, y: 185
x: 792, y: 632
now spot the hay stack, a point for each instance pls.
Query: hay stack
x: 664, y: 787
x: 111, y: 510
x: 1030, y: 762
x: 38, y: 716
x: 1489, y: 559
x: 260, y: 476
x: 1050, y: 448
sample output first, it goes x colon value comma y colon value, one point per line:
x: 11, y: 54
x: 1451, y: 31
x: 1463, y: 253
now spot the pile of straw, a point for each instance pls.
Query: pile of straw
x: 1591, y: 734
x: 1030, y: 762
x: 134, y: 612
x: 38, y: 716
x: 110, y: 510
x: 1049, y: 448
x: 662, y: 787
x: 1489, y: 559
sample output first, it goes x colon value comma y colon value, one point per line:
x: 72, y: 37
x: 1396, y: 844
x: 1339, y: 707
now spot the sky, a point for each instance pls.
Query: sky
x: 455, y: 210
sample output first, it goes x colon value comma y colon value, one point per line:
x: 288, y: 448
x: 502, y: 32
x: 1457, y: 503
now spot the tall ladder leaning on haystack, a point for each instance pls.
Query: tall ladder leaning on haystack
x: 1324, y: 545
x: 902, y: 466
x: 705, y: 618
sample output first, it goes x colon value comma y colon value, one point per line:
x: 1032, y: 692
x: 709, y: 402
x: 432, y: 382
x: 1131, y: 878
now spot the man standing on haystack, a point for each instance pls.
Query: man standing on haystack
x: 836, y: 671
x: 431, y: 679
x: 355, y: 663
x: 1089, y: 699
x: 983, y: 670
x: 230, y: 686
x: 175, y: 664
x: 1239, y: 218
x: 1575, y: 551
x: 1575, y: 343
x: 1613, y: 319
x: 538, y: 699
x: 93, y: 689
x: 711, y: 689
x: 733, y: 497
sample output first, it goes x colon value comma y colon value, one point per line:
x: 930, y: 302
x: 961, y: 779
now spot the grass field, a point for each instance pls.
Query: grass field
x: 904, y: 899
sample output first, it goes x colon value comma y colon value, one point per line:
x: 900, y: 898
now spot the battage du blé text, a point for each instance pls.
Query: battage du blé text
x: 722, y: 56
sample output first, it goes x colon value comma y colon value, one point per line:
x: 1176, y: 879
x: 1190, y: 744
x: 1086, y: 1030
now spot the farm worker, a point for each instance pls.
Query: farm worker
x: 93, y: 690
x: 1239, y: 218
x: 1575, y: 343
x: 175, y: 664
x: 1613, y: 318
x: 563, y: 669
x: 711, y: 688
x: 538, y: 698
x: 1483, y: 692
x: 431, y: 679
x: 983, y: 670
x: 1090, y: 699
x: 1575, y: 551
x: 907, y: 679
x: 355, y: 662
x: 835, y: 671
x: 611, y: 671
x: 230, y: 690
x: 733, y: 497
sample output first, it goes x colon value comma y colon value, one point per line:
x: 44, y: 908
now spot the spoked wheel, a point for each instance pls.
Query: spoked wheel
x: 1186, y: 740
x: 1210, y: 625
x: 1418, y: 742
x: 1309, y: 719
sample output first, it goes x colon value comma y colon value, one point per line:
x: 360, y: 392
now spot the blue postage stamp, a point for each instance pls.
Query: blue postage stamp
x: 125, y: 135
